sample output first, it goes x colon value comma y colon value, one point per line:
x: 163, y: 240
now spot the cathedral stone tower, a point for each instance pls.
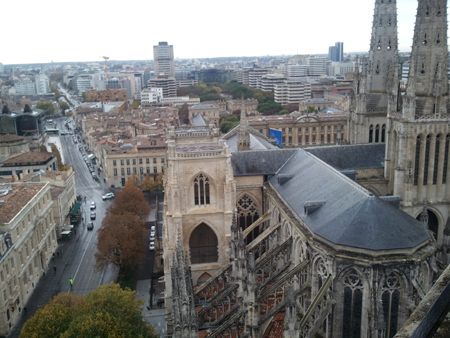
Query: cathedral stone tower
x: 376, y: 78
x: 200, y: 197
x: 418, y: 135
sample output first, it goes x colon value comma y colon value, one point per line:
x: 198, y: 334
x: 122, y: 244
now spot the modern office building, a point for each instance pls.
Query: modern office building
x: 163, y: 58
x: 292, y: 91
x: 317, y: 66
x: 42, y: 84
x: 336, y: 52
x: 25, y: 87
x: 168, y: 84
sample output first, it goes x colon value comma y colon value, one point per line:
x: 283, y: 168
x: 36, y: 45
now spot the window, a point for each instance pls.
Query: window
x: 121, y: 162
x: 427, y: 160
x: 390, y: 299
x: 306, y: 129
x: 147, y: 160
x: 128, y: 162
x: 247, y: 214
x: 140, y: 161
x: 162, y: 159
x: 352, y: 310
x: 115, y: 172
x: 329, y: 128
x: 377, y: 133
x: 148, y: 170
x: 201, y: 190
x: 134, y: 170
x: 154, y: 160
x: 436, y: 158
x: 371, y: 133
x: 306, y: 139
x: 134, y: 161
x: 114, y: 162
x: 203, y: 245
x: 128, y: 171
x: 383, y: 133
x: 122, y: 171
x: 299, y: 130
x: 155, y: 170
x: 1, y: 276
x: 314, y: 129
x: 162, y: 170
x: 444, y: 171
x: 416, y: 161
x: 290, y: 130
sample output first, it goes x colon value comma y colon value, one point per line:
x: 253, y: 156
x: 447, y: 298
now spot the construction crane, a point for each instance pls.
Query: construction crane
x: 106, y: 65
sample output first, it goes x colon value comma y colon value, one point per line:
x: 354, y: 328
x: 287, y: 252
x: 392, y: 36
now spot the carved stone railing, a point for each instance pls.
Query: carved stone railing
x: 318, y: 310
x: 213, y: 285
x: 219, y: 307
x: 272, y: 299
x: 205, y: 153
x: 233, y: 327
x: 273, y: 262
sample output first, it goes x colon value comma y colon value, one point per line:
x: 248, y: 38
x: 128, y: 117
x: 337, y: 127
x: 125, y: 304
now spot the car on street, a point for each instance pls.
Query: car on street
x: 94, y: 176
x: 93, y: 215
x: 93, y: 206
x: 151, y: 246
x: 108, y: 196
x: 152, y: 229
x: 90, y: 226
x: 66, y: 234
x: 152, y: 236
x: 67, y: 228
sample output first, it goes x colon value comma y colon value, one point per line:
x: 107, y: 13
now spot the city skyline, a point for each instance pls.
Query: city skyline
x: 193, y: 30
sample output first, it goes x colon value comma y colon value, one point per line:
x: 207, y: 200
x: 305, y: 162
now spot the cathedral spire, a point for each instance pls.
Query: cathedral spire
x: 383, y: 46
x: 243, y: 134
x: 428, y: 66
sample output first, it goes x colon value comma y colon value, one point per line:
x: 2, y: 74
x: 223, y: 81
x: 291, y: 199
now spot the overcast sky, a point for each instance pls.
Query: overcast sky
x: 83, y: 30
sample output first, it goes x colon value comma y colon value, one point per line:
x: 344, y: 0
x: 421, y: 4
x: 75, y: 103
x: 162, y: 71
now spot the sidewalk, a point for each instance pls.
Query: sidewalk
x: 155, y: 316
x: 45, y: 289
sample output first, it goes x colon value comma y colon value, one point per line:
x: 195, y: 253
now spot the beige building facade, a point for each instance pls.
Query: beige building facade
x: 28, y: 239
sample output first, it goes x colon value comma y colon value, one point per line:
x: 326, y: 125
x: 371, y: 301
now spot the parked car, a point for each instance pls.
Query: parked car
x: 152, y: 229
x: 94, y: 176
x: 108, y: 196
x: 67, y: 228
x: 151, y: 246
x: 66, y: 234
x: 152, y: 236
x: 93, y: 215
x: 90, y: 226
x: 93, y: 206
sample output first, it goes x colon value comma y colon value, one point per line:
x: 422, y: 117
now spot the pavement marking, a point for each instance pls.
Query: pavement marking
x: 82, y: 257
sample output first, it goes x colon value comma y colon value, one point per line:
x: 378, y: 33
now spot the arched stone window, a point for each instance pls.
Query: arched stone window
x: 383, y: 133
x: 390, y: 298
x: 427, y: 160
x: 433, y: 222
x: 444, y: 171
x: 416, y: 160
x: 352, y: 310
x: 436, y: 158
x: 377, y: 133
x: 371, y: 133
x: 247, y: 214
x: 203, y: 245
x: 201, y: 190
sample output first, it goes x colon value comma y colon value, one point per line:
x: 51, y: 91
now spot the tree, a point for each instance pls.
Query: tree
x: 270, y: 107
x: 27, y: 109
x: 63, y: 105
x: 56, y: 153
x: 109, y: 311
x: 135, y: 104
x: 130, y: 200
x: 43, y: 149
x: 158, y: 183
x: 282, y: 112
x: 133, y: 180
x: 290, y: 107
x: 183, y: 114
x: 56, y: 91
x: 147, y: 183
x: 311, y: 110
x: 6, y: 110
x: 47, y: 106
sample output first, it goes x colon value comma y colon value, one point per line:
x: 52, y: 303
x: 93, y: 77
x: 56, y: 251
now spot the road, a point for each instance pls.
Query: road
x: 83, y: 245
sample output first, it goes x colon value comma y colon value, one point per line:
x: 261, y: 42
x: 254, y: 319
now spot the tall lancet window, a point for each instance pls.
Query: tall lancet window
x: 444, y: 171
x: 427, y: 160
x: 377, y: 133
x: 383, y: 133
x: 416, y: 160
x: 371, y: 133
x: 247, y: 211
x: 390, y: 299
x: 436, y: 158
x: 201, y: 190
x: 353, y: 287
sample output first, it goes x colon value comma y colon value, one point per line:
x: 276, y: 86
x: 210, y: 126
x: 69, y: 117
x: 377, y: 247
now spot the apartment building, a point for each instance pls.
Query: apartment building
x: 167, y: 83
x: 42, y: 84
x: 292, y: 91
x: 106, y: 95
x: 267, y: 82
x: 25, y: 87
x: 27, y: 241
x: 146, y: 157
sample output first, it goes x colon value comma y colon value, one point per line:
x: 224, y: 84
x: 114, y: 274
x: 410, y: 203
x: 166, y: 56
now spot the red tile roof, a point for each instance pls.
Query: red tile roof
x: 28, y: 158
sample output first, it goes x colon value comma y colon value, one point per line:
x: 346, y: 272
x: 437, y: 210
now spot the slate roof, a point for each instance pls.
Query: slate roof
x: 268, y: 162
x: 346, y: 213
x: 257, y: 140
x: 361, y: 156
x: 198, y: 120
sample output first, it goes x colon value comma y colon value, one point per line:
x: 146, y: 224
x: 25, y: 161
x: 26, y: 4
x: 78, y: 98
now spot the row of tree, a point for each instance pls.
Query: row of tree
x: 108, y: 311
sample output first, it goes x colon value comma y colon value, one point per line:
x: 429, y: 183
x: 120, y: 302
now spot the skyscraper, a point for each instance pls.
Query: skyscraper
x: 163, y: 57
x: 336, y: 52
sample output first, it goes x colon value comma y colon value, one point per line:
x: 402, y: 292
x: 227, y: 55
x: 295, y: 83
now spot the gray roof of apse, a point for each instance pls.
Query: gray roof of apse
x: 351, y: 215
x: 362, y: 156
x: 259, y: 162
